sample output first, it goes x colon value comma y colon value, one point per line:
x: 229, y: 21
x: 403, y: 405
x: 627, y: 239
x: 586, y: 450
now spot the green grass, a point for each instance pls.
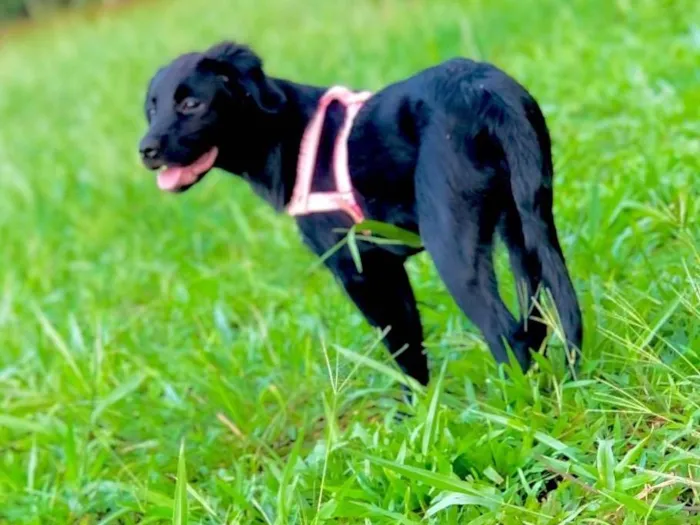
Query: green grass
x: 133, y: 322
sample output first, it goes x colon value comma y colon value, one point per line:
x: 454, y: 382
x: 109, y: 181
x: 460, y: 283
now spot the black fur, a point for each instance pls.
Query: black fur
x: 457, y: 152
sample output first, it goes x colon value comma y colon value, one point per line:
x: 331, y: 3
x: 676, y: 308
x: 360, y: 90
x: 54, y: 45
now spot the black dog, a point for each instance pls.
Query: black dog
x: 457, y: 153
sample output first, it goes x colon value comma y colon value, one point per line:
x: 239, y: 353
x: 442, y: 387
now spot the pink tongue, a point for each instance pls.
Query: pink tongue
x: 176, y: 178
x: 171, y: 178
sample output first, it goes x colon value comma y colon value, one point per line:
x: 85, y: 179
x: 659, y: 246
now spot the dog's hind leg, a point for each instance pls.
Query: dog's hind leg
x: 458, y: 211
x: 528, y: 277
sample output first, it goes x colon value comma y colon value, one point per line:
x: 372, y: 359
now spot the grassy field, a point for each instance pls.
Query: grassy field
x: 144, y: 334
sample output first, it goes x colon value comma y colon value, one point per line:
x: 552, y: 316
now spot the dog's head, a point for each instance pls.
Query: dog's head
x: 198, y: 105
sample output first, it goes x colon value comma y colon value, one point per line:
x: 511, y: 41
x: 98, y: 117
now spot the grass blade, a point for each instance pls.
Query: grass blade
x: 181, y: 509
x: 31, y: 466
x: 439, y: 481
x: 605, y: 462
x: 62, y: 347
x: 18, y: 424
x: 522, y: 427
x: 357, y: 509
x: 559, y: 466
x: 286, y: 486
x: 429, y: 428
x: 203, y: 502
x: 117, y: 395
x: 381, y: 368
x: 632, y: 455
x: 450, y: 499
x: 629, y: 502
x: 354, y: 249
x: 112, y: 517
x: 389, y: 231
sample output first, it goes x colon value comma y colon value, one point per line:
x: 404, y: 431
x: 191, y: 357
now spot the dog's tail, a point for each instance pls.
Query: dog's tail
x: 525, y: 140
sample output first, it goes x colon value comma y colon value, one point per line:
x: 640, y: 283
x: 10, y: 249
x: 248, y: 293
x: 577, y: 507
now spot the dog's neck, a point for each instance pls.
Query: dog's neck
x: 272, y: 146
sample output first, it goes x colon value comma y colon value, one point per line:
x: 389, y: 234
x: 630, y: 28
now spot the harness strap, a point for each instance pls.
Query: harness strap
x: 304, y: 201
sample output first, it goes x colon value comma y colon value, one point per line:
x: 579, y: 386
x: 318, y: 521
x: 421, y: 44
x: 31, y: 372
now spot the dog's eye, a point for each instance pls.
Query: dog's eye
x: 190, y: 104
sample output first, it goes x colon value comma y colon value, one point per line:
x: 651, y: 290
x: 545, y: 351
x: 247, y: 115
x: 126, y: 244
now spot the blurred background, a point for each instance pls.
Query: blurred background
x: 17, y: 9
x: 132, y: 320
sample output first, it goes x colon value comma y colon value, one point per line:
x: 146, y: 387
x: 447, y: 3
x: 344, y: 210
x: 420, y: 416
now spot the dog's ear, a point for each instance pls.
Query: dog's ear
x: 241, y: 72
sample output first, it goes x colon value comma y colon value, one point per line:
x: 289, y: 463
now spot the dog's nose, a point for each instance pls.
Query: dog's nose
x: 149, y: 153
x: 150, y: 148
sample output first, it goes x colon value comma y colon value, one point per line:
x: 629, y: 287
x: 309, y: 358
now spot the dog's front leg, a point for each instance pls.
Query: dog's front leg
x: 383, y: 293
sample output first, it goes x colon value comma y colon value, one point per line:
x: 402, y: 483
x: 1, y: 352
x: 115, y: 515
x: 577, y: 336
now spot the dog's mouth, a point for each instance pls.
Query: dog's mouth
x: 179, y: 178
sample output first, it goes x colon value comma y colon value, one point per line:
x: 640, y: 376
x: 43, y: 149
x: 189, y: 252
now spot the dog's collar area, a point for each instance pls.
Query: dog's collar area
x: 304, y: 201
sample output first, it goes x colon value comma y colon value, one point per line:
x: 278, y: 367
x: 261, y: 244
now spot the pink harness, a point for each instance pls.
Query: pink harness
x: 303, y: 200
